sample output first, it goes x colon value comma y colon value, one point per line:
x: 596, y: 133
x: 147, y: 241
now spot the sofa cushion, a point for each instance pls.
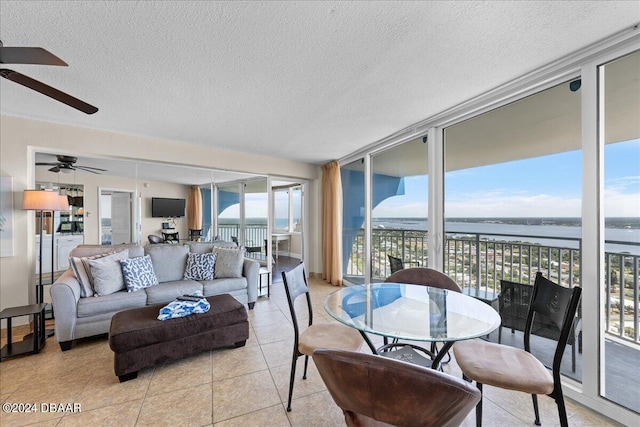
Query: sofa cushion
x: 204, y: 247
x: 90, y: 250
x: 168, y: 291
x: 168, y: 261
x: 138, y: 273
x: 107, y: 273
x: 200, y: 266
x: 118, y: 301
x: 229, y: 262
x: 82, y: 271
x: 223, y: 286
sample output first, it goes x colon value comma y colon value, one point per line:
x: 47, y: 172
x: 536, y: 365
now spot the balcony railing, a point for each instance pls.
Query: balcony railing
x: 254, y: 234
x: 481, y: 260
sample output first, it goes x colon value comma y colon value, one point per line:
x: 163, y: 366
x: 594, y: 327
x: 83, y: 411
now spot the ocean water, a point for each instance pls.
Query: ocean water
x: 564, y: 235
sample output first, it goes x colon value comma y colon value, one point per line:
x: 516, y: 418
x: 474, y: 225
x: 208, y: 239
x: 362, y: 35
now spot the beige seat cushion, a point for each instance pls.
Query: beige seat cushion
x: 502, y: 366
x: 329, y: 335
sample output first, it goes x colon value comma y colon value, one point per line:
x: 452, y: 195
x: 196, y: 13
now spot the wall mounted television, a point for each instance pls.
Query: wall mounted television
x: 167, y: 208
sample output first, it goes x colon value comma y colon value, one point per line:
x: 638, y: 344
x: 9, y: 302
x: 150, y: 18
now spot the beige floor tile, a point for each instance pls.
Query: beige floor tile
x: 275, y: 416
x: 273, y: 333
x: 278, y: 353
x: 105, y: 390
x: 268, y: 318
x: 120, y: 415
x: 181, y: 374
x: 186, y: 407
x: 318, y: 410
x: 229, y: 363
x: 301, y: 387
x: 493, y: 415
x: 240, y: 395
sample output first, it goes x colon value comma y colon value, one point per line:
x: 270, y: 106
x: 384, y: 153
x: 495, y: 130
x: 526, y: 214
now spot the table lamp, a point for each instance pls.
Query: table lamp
x: 41, y: 201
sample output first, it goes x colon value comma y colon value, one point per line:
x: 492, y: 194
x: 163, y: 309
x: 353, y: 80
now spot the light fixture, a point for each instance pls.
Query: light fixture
x: 40, y: 201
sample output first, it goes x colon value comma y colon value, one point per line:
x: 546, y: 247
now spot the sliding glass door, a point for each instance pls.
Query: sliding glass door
x: 620, y: 108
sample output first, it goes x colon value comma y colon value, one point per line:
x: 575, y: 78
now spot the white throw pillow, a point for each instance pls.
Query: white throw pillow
x: 82, y: 270
x: 107, y: 273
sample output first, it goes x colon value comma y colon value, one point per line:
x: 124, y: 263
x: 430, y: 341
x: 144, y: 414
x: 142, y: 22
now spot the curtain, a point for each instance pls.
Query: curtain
x: 194, y: 208
x: 331, y: 223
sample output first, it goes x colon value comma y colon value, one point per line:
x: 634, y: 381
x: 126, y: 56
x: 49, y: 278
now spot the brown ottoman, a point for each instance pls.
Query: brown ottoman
x: 139, y: 340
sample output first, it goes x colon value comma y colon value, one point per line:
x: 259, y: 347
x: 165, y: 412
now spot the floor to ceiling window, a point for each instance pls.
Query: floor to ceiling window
x: 620, y: 80
x: 513, y: 200
x: 399, y: 198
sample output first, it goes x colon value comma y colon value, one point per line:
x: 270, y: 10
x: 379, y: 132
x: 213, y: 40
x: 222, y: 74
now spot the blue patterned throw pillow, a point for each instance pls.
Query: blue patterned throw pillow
x: 200, y: 266
x: 138, y: 273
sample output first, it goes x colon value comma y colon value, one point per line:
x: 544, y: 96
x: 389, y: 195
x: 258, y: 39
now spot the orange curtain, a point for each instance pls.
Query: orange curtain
x: 332, y: 223
x: 194, y: 208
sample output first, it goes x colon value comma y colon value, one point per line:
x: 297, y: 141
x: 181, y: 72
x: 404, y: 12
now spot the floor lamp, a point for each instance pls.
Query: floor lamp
x: 40, y: 201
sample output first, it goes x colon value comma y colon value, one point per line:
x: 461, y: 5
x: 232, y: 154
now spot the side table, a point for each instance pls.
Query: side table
x: 264, y: 271
x: 31, y: 342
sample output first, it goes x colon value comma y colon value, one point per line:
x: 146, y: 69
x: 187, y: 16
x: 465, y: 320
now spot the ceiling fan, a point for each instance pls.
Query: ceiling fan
x: 38, y: 56
x: 67, y: 164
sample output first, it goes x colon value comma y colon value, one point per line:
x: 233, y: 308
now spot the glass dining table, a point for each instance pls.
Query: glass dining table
x: 412, y: 313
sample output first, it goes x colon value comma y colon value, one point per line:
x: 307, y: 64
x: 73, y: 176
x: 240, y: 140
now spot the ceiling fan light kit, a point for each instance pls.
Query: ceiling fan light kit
x: 38, y: 56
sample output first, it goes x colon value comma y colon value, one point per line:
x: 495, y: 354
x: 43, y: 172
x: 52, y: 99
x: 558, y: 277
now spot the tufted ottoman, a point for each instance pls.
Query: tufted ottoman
x: 139, y: 340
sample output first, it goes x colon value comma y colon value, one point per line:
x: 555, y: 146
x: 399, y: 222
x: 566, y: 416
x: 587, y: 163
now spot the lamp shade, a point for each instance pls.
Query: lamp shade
x: 64, y: 203
x: 40, y: 200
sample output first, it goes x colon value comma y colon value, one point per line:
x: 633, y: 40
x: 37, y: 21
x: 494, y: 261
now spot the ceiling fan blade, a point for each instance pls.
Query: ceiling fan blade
x: 46, y: 164
x: 29, y: 55
x: 47, y: 90
x: 55, y: 169
x: 89, y: 169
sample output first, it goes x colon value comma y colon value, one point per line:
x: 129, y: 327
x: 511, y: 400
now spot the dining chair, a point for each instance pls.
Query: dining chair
x: 195, y: 235
x: 153, y: 239
x: 171, y: 237
x: 516, y: 369
x: 397, y: 264
x: 319, y: 335
x: 376, y: 391
x: 418, y: 276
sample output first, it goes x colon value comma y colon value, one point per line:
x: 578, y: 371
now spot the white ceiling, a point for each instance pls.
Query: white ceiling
x: 308, y: 81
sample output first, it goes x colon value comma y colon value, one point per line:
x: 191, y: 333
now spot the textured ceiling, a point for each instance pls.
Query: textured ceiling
x: 308, y: 81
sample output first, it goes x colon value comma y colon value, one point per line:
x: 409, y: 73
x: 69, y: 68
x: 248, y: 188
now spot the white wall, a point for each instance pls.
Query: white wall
x: 21, y: 138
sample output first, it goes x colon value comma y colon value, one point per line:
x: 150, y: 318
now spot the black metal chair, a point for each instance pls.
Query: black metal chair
x: 321, y: 335
x: 234, y: 239
x: 493, y: 364
x: 195, y: 235
x: 397, y: 264
x: 171, y: 237
x: 513, y: 303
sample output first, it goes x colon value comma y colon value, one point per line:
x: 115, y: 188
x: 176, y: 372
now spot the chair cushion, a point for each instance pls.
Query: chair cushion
x: 502, y: 366
x: 329, y: 335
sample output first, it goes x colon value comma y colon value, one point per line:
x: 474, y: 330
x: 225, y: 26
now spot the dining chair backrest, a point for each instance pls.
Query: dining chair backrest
x: 558, y: 304
x: 372, y: 390
x: 295, y: 284
x: 424, y: 276
x: 396, y: 264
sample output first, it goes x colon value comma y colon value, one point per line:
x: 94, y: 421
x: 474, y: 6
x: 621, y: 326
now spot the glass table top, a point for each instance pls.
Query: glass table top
x: 411, y: 312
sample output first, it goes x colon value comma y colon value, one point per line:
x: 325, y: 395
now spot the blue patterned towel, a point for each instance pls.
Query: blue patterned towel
x: 184, y: 308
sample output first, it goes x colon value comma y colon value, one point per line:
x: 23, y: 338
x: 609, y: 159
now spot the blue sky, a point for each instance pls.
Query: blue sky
x: 538, y: 187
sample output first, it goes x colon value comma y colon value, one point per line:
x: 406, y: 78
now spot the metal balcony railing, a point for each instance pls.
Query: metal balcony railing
x: 481, y: 260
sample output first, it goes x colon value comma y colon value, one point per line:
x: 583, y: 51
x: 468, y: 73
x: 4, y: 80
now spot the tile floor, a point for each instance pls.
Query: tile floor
x: 229, y: 387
